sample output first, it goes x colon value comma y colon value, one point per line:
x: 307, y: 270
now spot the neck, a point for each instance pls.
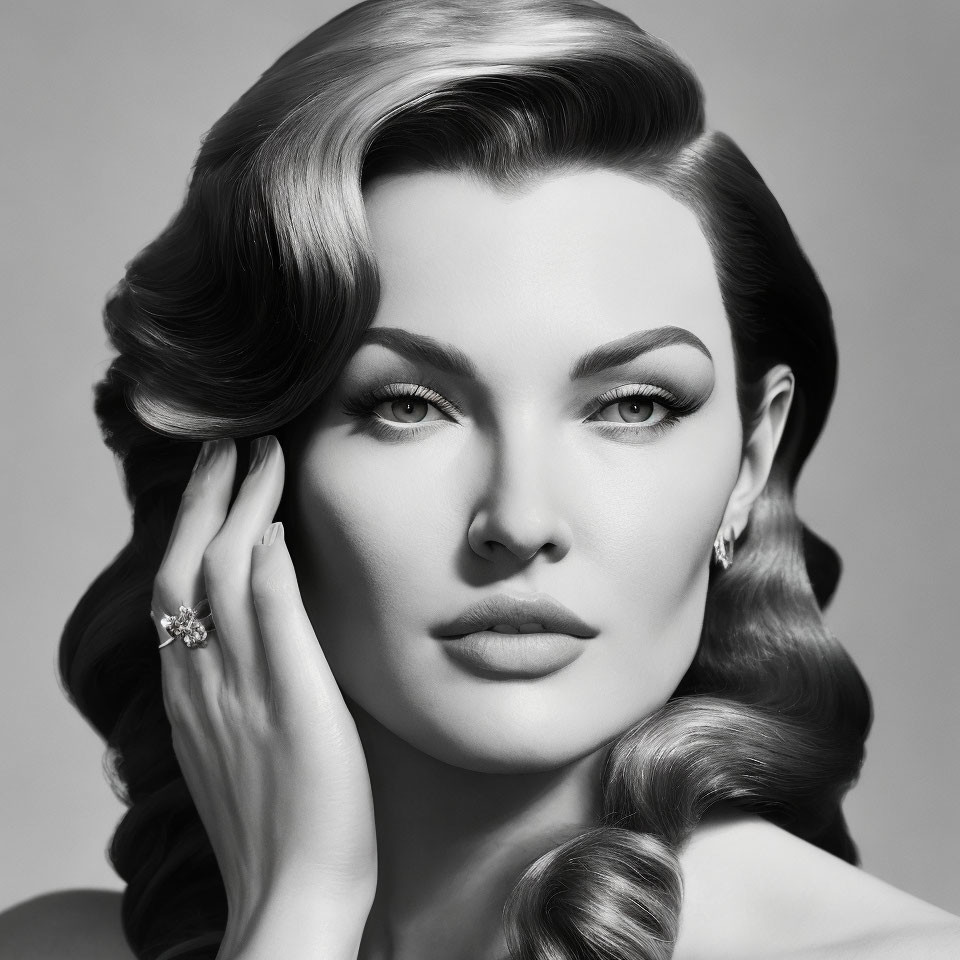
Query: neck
x: 452, y: 843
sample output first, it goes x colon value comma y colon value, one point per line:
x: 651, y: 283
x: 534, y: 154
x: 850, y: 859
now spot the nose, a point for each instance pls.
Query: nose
x: 517, y: 514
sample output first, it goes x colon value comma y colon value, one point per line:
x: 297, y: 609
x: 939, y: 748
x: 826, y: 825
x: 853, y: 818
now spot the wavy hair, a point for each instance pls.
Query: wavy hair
x: 243, y: 311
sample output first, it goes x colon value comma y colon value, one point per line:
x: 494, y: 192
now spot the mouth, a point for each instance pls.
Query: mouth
x: 504, y: 614
x: 504, y: 637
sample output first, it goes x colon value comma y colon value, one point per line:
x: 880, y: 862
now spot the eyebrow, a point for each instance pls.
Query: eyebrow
x: 633, y: 345
x: 442, y: 356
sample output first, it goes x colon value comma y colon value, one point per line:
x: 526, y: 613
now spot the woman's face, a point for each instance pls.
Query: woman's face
x: 519, y: 426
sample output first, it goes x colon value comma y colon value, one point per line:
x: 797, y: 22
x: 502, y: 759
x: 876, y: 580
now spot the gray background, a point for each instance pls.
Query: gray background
x: 847, y: 107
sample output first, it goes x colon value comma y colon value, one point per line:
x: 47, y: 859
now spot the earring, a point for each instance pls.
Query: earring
x: 723, y: 548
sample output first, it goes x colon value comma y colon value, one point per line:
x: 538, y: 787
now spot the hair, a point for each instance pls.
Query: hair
x: 241, y: 314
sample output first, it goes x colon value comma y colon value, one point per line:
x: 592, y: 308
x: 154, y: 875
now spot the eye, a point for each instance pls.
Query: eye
x: 399, y: 411
x: 636, y: 410
x: 635, y: 405
x: 407, y: 408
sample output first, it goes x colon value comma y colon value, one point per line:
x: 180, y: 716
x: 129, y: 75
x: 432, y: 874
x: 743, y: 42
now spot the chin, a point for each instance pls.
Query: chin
x: 498, y: 740
x: 513, y: 757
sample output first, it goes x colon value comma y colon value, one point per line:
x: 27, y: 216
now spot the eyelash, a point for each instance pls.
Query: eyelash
x: 675, y: 407
x: 363, y: 405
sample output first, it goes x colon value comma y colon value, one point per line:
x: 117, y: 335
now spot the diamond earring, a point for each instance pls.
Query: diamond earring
x: 723, y: 548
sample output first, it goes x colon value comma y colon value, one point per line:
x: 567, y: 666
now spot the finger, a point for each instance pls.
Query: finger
x: 179, y: 579
x: 226, y: 565
x: 294, y: 657
x: 203, y: 506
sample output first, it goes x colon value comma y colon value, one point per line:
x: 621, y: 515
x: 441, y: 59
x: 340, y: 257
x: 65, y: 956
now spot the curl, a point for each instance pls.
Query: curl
x: 607, y: 894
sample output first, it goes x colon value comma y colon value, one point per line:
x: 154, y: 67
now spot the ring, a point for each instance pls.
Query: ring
x: 191, y: 625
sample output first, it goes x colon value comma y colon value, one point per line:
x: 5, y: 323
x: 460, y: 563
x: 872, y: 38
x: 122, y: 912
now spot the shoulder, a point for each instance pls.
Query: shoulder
x: 753, y: 890
x: 932, y: 940
x: 65, y: 925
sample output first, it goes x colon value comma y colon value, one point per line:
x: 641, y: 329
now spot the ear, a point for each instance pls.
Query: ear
x: 760, y: 448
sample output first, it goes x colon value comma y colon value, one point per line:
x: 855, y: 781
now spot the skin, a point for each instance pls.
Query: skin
x: 362, y: 790
x: 523, y: 489
x: 517, y: 493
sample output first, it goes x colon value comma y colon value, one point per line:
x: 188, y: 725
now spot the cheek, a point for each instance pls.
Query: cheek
x: 371, y: 539
x: 645, y: 545
x: 650, y: 515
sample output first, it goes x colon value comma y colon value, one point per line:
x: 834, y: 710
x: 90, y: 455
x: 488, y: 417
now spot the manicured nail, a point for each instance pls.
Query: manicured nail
x: 205, y: 455
x: 271, y: 533
x: 258, y: 452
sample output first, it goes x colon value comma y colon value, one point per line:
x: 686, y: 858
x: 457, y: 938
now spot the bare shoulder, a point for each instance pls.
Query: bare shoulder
x: 753, y: 890
x: 65, y: 925
x: 932, y: 940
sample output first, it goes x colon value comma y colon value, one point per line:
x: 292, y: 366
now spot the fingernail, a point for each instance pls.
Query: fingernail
x: 258, y: 452
x: 205, y: 455
x: 271, y: 533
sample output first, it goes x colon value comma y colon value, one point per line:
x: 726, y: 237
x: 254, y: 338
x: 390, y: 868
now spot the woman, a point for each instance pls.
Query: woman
x: 526, y: 352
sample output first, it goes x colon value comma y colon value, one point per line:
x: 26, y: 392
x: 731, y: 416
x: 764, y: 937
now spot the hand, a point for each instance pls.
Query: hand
x: 267, y: 747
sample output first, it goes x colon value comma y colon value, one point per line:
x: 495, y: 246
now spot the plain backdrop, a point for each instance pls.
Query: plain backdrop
x: 847, y: 107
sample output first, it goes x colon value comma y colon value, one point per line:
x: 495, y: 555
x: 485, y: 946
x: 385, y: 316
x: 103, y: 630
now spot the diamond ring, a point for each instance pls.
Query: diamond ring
x: 191, y: 625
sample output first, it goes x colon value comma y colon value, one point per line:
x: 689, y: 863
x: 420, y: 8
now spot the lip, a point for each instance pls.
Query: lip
x: 516, y: 611
x: 469, y: 640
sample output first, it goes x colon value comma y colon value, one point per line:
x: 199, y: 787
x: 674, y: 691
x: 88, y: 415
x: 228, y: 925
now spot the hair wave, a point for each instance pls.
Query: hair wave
x: 242, y: 312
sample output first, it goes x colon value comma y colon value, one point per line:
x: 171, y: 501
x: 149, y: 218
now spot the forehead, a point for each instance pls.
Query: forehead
x: 574, y: 259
